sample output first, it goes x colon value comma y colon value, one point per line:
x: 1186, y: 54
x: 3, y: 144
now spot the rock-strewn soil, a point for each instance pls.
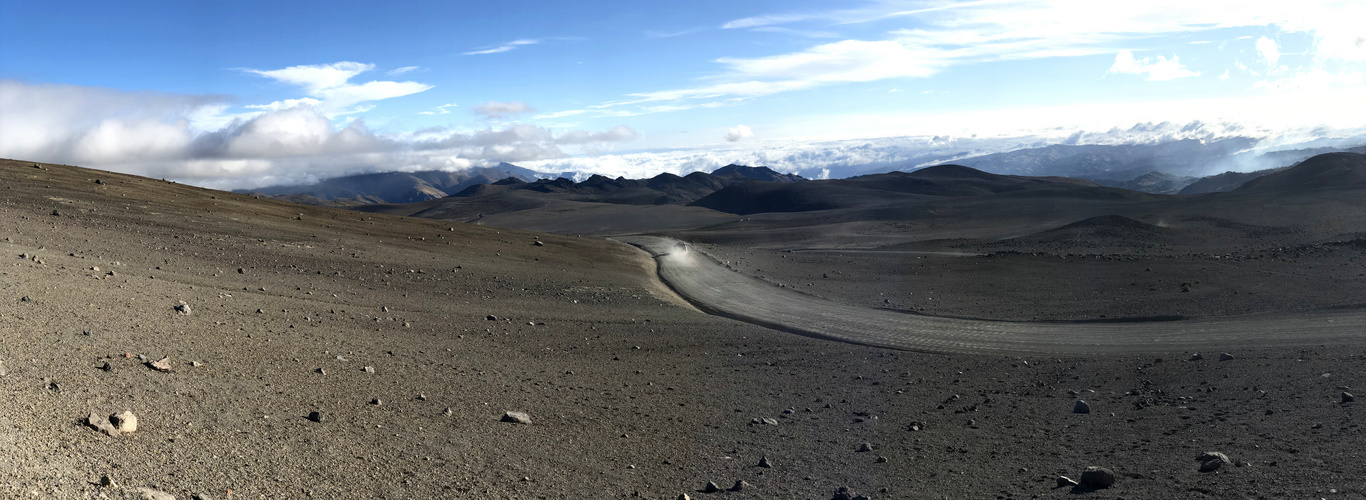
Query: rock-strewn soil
x: 629, y: 392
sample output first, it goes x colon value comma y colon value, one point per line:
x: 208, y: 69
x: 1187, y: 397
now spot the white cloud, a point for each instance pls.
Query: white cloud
x: 1157, y: 70
x: 1224, y: 75
x: 503, y: 48
x: 495, y: 109
x: 1267, y: 48
x: 767, y: 20
x: 331, y: 90
x: 443, y: 109
x: 405, y: 69
x: 1315, y: 80
x: 185, y: 138
x: 739, y: 133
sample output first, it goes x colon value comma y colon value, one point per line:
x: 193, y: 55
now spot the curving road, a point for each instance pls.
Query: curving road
x: 712, y: 287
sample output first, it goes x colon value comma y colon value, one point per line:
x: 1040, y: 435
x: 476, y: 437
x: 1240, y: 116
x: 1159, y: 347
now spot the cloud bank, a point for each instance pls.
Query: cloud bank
x: 193, y: 139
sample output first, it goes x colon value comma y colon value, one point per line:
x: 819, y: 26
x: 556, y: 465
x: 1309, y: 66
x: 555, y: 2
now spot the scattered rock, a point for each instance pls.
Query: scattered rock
x: 151, y: 494
x: 368, y: 369
x: 4, y: 371
x: 102, y: 424
x: 770, y: 421
x: 421, y: 397
x: 376, y: 402
x: 317, y: 416
x: 491, y: 317
x: 125, y: 421
x: 517, y: 417
x: 448, y: 412
x: 1223, y: 356
x: 196, y: 364
x: 1196, y: 357
x: 1213, y: 455
x: 763, y: 462
x: 241, y: 270
x: 183, y: 308
x: 880, y: 459
x: 108, y: 482
x: 1211, y: 461
x: 844, y: 493
x: 711, y: 487
x: 161, y: 365
x: 865, y: 447
x: 539, y: 244
x: 740, y: 485
x: 107, y: 367
x: 1347, y: 397
x: 916, y: 426
x: 1064, y: 481
x: 1097, y: 477
x: 684, y: 496
x: 1081, y: 407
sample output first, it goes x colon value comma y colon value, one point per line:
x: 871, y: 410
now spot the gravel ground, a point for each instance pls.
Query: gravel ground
x: 630, y: 394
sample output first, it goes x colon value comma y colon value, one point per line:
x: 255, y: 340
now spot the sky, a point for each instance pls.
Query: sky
x: 246, y: 94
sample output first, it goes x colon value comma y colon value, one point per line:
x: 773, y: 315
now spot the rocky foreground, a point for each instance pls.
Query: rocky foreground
x: 269, y: 350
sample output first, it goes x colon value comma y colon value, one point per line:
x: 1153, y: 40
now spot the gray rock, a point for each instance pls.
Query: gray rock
x: 448, y: 412
x: 125, y: 421
x: 1210, y: 465
x: 844, y: 493
x: 770, y: 421
x: 1197, y: 357
x: 368, y: 369
x: 102, y: 424
x: 1347, y: 397
x: 1081, y: 407
x: 3, y: 371
x: 107, y: 367
x: 1223, y: 356
x: 491, y: 317
x: 1064, y: 481
x: 161, y: 365
x: 183, y: 308
x: 763, y: 462
x: 317, y: 416
x: 151, y: 494
x: 865, y: 447
x: 376, y: 402
x: 711, y: 487
x: 740, y: 485
x: 684, y: 496
x: 880, y: 459
x: 108, y: 482
x: 517, y: 417
x: 1097, y: 477
x: 1213, y: 455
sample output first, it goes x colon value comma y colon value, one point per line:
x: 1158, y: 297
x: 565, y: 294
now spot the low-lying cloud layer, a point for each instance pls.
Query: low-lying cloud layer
x: 192, y: 139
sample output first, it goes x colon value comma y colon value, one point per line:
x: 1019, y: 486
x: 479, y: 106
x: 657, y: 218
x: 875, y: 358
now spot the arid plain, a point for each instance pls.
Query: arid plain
x: 412, y: 337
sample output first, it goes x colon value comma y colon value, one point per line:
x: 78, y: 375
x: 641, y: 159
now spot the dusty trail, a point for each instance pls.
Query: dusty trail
x: 707, y: 283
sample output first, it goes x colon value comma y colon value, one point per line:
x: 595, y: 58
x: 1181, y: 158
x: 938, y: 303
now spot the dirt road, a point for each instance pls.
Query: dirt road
x: 709, y: 285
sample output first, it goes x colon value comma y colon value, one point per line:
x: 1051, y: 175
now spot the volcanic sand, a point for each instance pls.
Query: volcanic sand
x: 629, y: 392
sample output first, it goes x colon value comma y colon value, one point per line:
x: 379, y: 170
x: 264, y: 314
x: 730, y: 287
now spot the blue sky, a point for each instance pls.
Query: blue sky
x: 241, y: 94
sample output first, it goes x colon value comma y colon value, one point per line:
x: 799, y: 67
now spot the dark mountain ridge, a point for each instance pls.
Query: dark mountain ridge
x: 662, y: 189
x: 1332, y: 170
x: 395, y: 187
